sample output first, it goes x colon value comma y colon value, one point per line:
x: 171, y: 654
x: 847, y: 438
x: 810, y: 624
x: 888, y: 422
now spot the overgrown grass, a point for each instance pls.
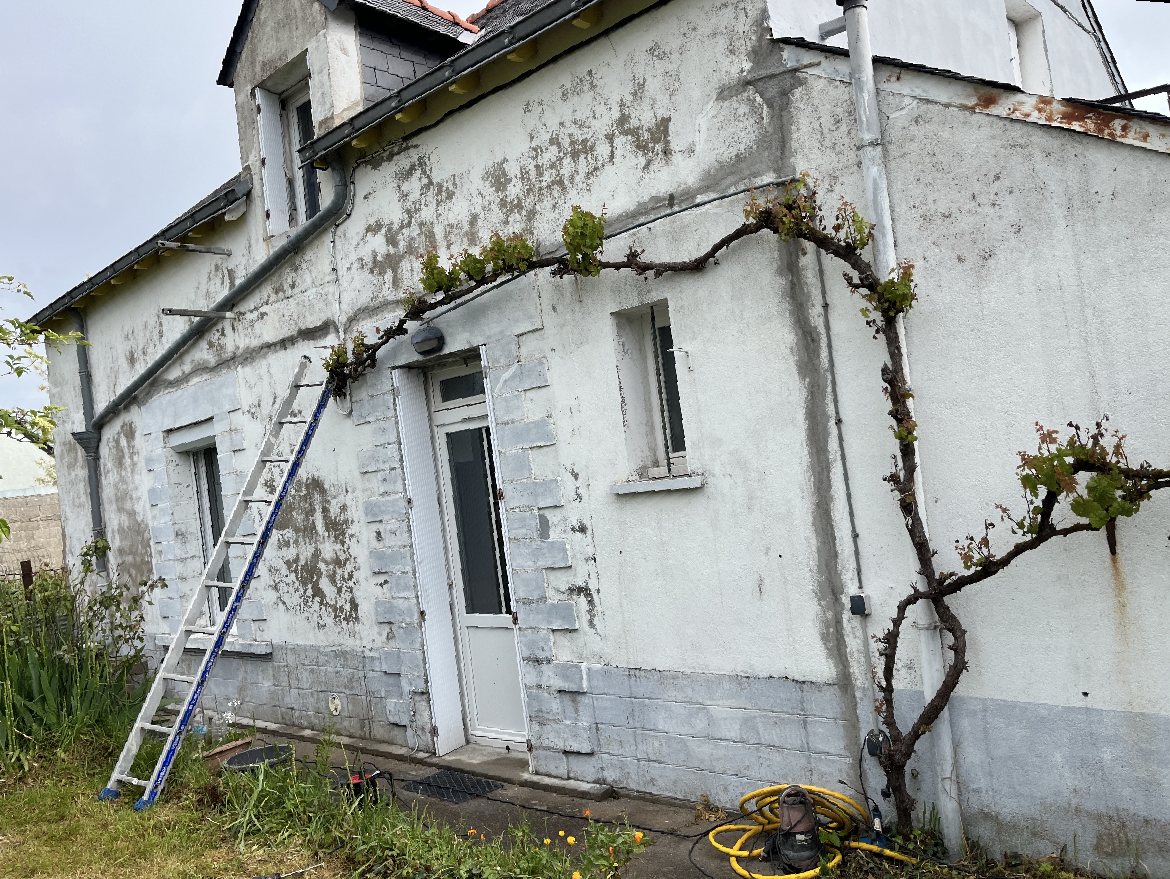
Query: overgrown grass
x: 52, y: 825
x: 386, y: 839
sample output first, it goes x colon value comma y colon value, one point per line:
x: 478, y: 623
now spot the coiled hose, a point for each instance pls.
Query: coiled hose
x: 842, y: 814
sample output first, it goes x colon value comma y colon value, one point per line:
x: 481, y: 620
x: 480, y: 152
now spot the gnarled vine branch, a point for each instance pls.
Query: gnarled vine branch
x: 1088, y: 469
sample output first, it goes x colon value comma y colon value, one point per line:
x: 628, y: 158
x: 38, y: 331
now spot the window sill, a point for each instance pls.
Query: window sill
x: 233, y: 646
x: 670, y: 483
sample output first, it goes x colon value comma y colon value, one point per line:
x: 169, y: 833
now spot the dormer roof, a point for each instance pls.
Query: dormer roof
x: 419, y: 12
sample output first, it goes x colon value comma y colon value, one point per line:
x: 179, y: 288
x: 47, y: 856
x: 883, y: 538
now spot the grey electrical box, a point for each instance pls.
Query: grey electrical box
x: 859, y: 605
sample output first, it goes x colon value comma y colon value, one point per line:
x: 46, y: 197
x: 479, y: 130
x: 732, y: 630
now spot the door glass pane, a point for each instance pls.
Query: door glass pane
x: 461, y: 387
x: 477, y: 515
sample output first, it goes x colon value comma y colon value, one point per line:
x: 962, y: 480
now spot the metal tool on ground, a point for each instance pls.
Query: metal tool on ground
x: 206, y: 617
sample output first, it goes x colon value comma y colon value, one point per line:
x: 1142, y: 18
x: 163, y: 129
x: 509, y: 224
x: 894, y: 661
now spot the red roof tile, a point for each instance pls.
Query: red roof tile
x: 492, y: 4
x: 449, y: 16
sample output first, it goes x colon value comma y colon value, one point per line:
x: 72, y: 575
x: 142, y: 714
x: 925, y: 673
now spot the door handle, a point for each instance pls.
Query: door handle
x: 515, y: 618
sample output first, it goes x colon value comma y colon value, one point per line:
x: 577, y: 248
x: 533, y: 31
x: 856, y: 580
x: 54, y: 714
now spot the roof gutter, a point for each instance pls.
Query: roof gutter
x: 480, y: 53
x: 220, y: 204
x: 290, y: 247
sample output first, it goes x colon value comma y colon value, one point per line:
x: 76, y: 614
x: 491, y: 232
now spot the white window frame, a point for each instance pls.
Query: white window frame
x: 644, y: 393
x: 290, y: 124
x: 1031, y: 68
x: 278, y: 129
x: 444, y: 411
x: 201, y: 480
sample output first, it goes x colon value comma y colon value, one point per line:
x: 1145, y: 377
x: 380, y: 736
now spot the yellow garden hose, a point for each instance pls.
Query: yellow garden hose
x: 843, y: 814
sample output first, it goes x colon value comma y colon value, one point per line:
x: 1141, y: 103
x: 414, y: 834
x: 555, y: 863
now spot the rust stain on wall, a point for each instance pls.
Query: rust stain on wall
x: 1095, y: 121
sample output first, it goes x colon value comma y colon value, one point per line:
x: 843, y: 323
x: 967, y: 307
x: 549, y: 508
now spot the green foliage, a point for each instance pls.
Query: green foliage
x: 71, y: 654
x: 896, y: 295
x: 1100, y: 502
x: 1107, y: 494
x: 906, y: 432
x: 21, y: 353
x: 584, y: 237
x: 500, y: 256
x: 1058, y: 471
x: 791, y: 211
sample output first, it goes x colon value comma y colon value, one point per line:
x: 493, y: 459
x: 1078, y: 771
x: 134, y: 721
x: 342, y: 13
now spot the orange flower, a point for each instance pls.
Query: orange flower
x: 576, y: 874
x: 587, y: 813
x: 471, y: 832
x: 547, y: 841
x: 572, y: 840
x: 638, y: 836
x: 611, y: 851
x: 481, y: 836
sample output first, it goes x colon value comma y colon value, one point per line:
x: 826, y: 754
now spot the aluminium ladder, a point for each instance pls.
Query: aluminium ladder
x: 209, y: 586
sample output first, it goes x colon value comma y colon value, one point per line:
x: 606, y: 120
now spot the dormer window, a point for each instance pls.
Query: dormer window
x: 1029, y: 50
x: 292, y: 193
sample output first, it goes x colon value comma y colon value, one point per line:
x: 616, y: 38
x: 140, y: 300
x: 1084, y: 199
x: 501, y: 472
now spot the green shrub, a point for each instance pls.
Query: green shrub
x: 71, y: 658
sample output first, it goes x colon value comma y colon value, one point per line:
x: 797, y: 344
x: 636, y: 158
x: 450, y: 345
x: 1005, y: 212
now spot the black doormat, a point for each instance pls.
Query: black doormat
x: 454, y: 787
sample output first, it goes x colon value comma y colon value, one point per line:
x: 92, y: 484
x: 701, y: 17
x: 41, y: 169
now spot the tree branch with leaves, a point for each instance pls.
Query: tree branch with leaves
x: 1086, y: 476
x: 22, y: 353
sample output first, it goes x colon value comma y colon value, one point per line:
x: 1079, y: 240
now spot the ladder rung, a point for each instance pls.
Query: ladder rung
x: 288, y: 412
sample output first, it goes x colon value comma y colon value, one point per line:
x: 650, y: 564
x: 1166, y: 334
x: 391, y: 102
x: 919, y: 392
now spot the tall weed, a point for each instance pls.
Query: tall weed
x: 71, y: 657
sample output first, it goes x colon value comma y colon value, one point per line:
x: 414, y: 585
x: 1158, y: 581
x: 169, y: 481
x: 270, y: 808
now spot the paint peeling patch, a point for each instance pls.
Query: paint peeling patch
x: 1072, y: 116
x: 313, y: 537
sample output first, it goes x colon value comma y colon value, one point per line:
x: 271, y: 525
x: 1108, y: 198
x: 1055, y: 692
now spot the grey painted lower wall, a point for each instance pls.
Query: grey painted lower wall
x: 1038, y: 778
x: 293, y: 686
x: 687, y: 734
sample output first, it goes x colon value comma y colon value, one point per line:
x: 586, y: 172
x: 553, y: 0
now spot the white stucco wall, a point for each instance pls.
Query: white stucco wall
x: 966, y: 36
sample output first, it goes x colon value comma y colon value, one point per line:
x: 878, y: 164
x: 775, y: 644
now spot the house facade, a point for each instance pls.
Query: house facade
x: 616, y: 522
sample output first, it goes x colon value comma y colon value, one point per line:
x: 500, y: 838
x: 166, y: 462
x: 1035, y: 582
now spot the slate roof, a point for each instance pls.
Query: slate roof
x: 418, y: 11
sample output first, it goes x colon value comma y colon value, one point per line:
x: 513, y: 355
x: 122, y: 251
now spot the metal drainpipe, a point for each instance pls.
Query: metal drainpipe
x: 238, y: 292
x: 874, y: 168
x: 89, y: 439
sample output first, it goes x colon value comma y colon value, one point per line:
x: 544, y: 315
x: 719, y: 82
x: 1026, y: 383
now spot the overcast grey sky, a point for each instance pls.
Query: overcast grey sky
x: 114, y: 125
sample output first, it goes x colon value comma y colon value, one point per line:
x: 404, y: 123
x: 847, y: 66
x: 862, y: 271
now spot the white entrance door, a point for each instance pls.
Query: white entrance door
x: 484, y: 622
